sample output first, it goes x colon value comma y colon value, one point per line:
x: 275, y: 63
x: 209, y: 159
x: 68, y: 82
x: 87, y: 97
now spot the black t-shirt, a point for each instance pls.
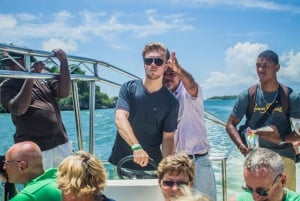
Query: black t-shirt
x: 149, y: 115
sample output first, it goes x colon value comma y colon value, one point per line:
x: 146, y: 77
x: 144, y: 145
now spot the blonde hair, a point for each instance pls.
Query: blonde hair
x: 154, y: 46
x: 176, y: 164
x: 81, y: 174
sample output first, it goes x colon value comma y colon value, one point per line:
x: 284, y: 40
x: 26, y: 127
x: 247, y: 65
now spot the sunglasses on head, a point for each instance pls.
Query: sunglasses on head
x: 172, y: 183
x: 261, y: 191
x: 157, y: 61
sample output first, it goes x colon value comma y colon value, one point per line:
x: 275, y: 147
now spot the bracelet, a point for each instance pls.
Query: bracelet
x: 136, y: 147
x: 241, y: 146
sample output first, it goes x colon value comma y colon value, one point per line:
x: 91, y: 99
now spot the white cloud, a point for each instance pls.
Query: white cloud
x: 240, y: 71
x: 7, y: 22
x: 256, y: 4
x: 26, y: 17
x: 54, y: 43
x: 82, y: 27
x: 242, y: 56
x: 62, y: 16
x: 290, y: 63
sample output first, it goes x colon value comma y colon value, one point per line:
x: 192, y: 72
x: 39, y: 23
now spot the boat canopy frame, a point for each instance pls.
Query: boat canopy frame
x: 92, y: 66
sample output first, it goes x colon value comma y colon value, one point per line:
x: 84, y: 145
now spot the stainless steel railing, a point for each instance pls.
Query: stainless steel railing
x: 223, y: 159
x: 93, y: 66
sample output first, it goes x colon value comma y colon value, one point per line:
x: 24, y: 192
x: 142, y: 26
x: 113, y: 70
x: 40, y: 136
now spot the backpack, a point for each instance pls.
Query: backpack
x: 284, y: 99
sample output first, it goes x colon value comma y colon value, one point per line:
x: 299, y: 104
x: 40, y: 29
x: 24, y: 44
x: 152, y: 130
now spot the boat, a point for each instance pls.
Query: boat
x: 119, y: 189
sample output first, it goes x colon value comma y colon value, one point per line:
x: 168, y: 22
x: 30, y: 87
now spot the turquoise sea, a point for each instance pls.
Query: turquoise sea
x: 105, y: 133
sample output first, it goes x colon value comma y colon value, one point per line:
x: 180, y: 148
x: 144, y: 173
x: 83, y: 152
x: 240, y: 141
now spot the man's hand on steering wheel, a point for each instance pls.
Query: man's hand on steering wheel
x: 140, y: 157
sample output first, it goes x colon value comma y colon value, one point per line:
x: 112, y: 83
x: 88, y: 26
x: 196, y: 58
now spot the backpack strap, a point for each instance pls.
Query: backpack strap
x: 251, y: 101
x: 284, y: 99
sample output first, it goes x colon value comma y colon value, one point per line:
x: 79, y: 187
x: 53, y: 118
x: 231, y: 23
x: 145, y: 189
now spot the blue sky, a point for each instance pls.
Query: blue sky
x: 217, y: 41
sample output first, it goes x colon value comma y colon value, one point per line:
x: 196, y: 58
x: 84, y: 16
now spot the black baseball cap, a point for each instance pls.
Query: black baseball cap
x: 270, y: 55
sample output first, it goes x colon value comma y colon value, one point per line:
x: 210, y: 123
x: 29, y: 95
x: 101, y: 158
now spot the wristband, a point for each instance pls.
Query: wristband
x: 136, y: 147
x: 241, y: 146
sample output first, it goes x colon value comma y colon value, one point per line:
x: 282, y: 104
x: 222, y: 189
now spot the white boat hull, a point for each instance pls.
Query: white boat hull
x: 129, y: 190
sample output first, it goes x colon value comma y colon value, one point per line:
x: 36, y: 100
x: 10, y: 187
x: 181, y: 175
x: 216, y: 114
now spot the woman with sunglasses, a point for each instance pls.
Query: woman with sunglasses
x: 265, y: 178
x: 174, y: 173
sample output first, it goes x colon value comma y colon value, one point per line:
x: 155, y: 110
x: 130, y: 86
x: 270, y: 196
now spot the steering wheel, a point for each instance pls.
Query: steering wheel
x: 126, y: 173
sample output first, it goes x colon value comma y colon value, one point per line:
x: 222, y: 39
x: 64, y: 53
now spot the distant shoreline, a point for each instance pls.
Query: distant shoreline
x: 222, y: 98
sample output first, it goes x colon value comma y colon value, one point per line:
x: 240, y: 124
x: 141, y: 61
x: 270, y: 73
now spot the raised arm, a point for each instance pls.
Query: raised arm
x: 187, y: 79
x: 64, y: 81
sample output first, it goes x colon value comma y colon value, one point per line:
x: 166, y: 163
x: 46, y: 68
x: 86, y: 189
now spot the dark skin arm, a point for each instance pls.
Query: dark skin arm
x: 187, y: 79
x: 21, y: 102
x: 64, y: 81
x: 231, y: 129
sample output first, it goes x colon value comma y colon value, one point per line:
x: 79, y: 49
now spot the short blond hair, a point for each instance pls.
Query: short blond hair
x: 154, y: 46
x: 177, y: 164
x: 81, y: 175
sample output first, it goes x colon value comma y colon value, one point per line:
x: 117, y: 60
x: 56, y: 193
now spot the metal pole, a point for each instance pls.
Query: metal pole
x: 77, y: 114
x: 92, y: 115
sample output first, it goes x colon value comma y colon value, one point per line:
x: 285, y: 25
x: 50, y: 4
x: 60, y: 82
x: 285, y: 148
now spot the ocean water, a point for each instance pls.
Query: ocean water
x: 105, y: 133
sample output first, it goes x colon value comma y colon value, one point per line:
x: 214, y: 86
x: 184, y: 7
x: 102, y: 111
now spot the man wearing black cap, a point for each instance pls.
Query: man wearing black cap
x: 34, y: 109
x: 268, y: 94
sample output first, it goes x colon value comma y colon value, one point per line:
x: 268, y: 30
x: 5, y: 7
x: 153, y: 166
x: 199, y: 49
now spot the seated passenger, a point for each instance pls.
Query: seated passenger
x: 24, y: 165
x: 81, y: 177
x: 265, y: 178
x: 174, y: 172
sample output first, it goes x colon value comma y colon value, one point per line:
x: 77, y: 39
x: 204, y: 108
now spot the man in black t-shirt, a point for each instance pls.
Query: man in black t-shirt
x: 146, y: 114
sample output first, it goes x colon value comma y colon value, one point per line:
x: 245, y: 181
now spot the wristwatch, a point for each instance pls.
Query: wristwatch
x: 282, y: 141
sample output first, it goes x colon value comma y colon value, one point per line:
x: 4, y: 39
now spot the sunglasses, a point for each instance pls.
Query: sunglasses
x: 157, y: 61
x: 261, y: 191
x: 172, y: 183
x: 10, y: 161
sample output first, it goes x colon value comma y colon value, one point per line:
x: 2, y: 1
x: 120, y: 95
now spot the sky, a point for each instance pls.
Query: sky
x: 217, y: 41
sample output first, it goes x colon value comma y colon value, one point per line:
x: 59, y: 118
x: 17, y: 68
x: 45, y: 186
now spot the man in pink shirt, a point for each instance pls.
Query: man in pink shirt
x: 191, y: 135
